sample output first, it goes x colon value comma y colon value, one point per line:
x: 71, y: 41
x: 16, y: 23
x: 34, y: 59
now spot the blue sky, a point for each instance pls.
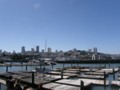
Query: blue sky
x: 66, y: 24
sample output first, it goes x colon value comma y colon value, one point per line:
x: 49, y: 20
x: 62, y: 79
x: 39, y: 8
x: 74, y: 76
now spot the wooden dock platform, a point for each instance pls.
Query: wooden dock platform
x: 115, y: 83
x: 95, y: 73
x: 109, y: 71
x: 95, y: 81
x: 92, y: 76
x: 2, y: 81
x: 66, y: 84
x: 64, y: 74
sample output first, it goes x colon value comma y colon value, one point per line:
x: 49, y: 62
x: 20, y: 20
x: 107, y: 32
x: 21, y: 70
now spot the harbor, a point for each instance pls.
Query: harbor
x: 76, y: 77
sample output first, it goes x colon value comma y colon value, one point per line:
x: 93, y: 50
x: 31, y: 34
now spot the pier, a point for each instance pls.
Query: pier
x: 69, y: 78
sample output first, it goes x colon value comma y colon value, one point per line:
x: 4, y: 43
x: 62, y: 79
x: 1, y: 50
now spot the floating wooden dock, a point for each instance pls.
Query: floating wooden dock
x: 95, y: 73
x: 95, y: 81
x: 115, y: 83
x: 66, y: 84
x: 58, y: 79
x: 109, y: 71
x: 91, y: 76
x: 64, y: 74
x: 2, y: 81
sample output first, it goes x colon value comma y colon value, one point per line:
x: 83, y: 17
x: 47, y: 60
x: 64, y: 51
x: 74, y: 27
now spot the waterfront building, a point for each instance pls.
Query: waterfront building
x: 37, y: 49
x: 23, y: 50
x: 93, y: 57
x: 56, y: 51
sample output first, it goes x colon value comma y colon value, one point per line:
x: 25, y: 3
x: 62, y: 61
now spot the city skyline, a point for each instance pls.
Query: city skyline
x: 66, y: 24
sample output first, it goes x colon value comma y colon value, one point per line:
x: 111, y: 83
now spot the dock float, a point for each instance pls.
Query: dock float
x: 67, y: 84
x: 95, y: 73
x: 115, y: 83
x: 95, y: 81
x: 109, y: 71
x: 2, y: 81
x: 91, y: 76
x: 64, y: 74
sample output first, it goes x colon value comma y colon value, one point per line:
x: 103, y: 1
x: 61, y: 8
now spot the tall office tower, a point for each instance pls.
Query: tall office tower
x: 37, y: 49
x: 49, y: 50
x: 56, y: 51
x: 32, y: 50
x: 23, y: 49
x: 95, y: 50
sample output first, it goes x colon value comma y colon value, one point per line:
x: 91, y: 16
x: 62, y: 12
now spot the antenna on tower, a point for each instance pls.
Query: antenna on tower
x: 45, y: 47
x: 45, y: 44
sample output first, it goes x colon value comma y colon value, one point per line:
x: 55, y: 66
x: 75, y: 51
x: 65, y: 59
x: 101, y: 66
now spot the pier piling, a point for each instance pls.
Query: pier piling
x: 105, y: 65
x: 0, y: 86
x: 61, y: 73
x: 119, y: 68
x: 104, y: 78
x: 113, y: 74
x: 63, y: 65
x: 82, y: 85
x: 33, y: 77
x: 71, y: 64
x: 6, y: 69
x: 52, y: 66
x: 109, y: 64
x: 26, y: 68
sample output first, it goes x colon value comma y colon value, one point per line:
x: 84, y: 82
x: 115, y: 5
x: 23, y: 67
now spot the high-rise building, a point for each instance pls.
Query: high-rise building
x: 37, y: 49
x: 95, y: 50
x: 32, y: 50
x: 56, y: 51
x: 49, y: 50
x: 23, y: 49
